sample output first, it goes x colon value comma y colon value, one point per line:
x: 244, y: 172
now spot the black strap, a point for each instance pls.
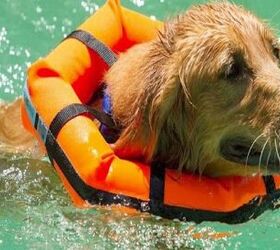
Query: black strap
x: 157, y: 180
x: 85, y: 191
x: 73, y: 110
x: 68, y: 113
x: 269, y: 184
x: 97, y: 46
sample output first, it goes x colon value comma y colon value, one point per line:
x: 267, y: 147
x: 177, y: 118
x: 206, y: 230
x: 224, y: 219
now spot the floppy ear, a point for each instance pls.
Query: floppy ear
x: 170, y: 113
x: 164, y: 99
x: 152, y: 105
x: 153, y: 123
x: 168, y: 123
x: 159, y: 97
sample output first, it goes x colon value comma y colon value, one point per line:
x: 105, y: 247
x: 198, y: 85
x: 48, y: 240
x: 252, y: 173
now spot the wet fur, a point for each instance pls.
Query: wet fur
x: 178, y: 105
x: 13, y: 137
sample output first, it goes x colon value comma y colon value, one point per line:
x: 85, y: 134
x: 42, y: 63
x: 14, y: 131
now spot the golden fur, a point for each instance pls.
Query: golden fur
x: 181, y: 100
x: 210, y: 77
x: 13, y: 136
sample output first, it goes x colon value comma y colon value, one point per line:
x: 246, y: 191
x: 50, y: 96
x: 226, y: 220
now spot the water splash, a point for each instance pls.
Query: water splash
x: 36, y: 210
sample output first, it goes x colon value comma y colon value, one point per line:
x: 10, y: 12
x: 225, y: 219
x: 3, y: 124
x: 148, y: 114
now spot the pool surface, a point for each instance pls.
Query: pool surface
x: 35, y: 211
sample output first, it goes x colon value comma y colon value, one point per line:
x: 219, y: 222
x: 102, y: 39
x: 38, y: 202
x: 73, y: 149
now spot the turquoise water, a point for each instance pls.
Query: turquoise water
x: 35, y: 211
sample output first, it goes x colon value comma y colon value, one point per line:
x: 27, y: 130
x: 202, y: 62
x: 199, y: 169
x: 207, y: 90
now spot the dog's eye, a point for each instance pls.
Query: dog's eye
x: 233, y: 71
x: 276, y: 52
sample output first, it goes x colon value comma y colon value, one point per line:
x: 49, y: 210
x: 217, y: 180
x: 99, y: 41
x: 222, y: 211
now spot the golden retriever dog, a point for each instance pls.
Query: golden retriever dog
x: 203, y: 96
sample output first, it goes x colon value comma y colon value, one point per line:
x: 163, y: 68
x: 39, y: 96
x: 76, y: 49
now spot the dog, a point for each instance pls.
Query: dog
x: 203, y: 95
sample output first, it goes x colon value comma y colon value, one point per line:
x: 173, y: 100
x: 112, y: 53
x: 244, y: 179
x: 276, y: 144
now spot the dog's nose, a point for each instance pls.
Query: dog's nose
x: 242, y: 151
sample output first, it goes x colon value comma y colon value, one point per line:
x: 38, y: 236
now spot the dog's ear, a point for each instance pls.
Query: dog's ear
x: 158, y: 98
x: 163, y: 100
x: 154, y: 104
x: 168, y: 119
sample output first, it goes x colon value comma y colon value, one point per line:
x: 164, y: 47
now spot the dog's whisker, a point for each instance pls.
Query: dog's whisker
x: 262, y: 151
x: 277, y: 136
x: 251, y: 147
x: 277, y: 152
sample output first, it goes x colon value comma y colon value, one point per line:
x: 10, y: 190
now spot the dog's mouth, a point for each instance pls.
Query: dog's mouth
x: 244, y: 151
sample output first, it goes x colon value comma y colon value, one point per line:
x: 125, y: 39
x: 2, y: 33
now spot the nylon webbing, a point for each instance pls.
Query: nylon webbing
x: 157, y: 180
x: 108, y: 131
x: 269, y: 184
x: 97, y: 46
x: 73, y: 110
x: 68, y: 113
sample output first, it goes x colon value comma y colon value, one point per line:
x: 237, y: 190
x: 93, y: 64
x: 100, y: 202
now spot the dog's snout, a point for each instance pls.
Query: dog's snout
x: 242, y: 151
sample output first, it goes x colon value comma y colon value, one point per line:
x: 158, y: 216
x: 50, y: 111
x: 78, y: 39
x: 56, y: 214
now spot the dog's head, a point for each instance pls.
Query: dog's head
x: 212, y: 98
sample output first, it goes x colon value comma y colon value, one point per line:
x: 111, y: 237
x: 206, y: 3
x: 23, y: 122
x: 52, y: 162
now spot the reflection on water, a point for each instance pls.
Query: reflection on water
x: 35, y: 211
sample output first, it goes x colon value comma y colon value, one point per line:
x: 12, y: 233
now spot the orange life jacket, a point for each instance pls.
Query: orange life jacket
x: 66, y: 79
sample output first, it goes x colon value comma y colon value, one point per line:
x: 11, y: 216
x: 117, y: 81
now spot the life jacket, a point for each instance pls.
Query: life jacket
x: 58, y: 88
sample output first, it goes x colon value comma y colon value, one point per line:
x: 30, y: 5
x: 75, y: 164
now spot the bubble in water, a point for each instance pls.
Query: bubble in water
x: 42, y: 24
x: 89, y: 6
x: 4, y: 42
x: 39, y: 9
x: 139, y: 3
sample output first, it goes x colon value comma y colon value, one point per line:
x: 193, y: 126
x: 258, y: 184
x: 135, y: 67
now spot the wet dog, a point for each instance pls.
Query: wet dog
x: 203, y: 95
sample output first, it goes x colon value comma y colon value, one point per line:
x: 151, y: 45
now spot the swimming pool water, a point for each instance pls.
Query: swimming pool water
x: 35, y: 211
